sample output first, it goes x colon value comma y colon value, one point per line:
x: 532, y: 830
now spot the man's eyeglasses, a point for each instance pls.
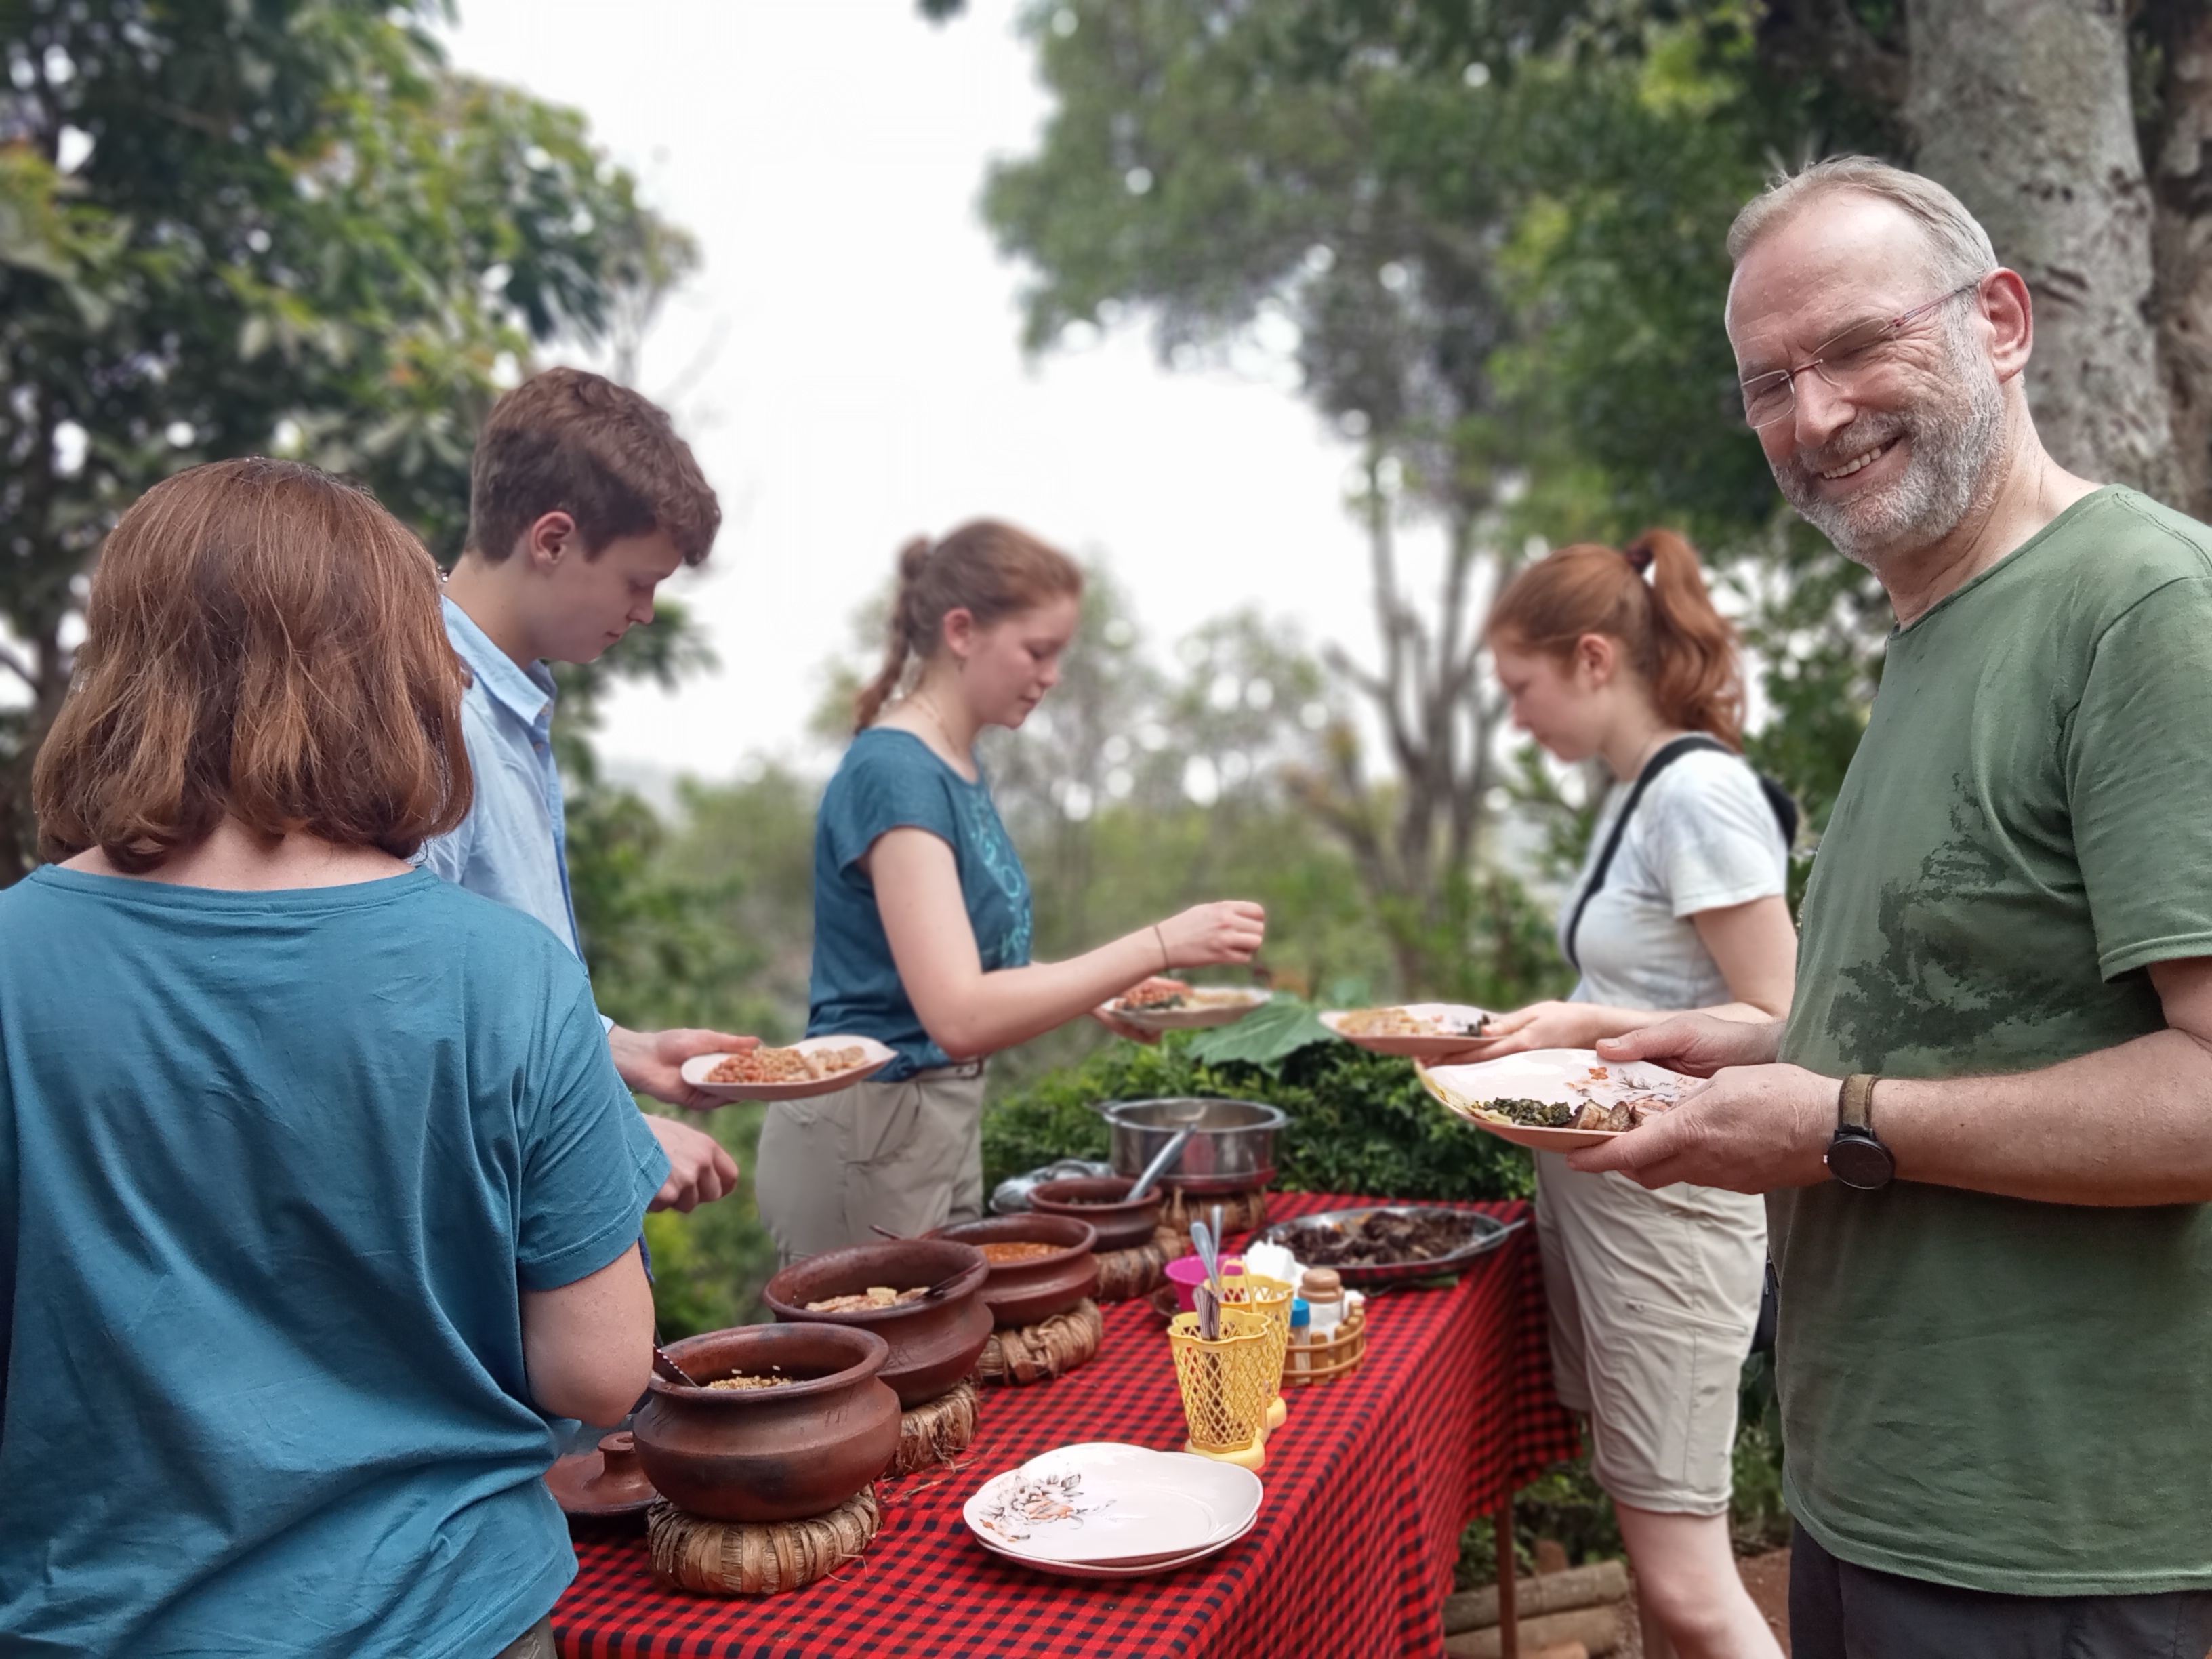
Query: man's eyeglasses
x: 1843, y: 362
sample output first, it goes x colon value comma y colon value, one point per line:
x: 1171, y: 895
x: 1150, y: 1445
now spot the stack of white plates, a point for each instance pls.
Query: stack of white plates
x: 1108, y: 1511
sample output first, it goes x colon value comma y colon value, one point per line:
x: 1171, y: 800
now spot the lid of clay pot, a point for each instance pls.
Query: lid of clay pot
x: 609, y: 1481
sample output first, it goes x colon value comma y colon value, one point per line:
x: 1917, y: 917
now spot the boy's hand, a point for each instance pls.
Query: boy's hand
x: 700, y: 1169
x: 651, y: 1062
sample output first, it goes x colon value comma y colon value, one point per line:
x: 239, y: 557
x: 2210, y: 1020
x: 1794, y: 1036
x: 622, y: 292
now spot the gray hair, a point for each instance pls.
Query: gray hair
x: 1959, y: 248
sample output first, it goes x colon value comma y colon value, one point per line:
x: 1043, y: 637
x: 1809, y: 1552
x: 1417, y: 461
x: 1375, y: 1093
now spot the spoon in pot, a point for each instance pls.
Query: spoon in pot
x: 935, y: 1292
x: 1161, y: 1161
x: 669, y: 1369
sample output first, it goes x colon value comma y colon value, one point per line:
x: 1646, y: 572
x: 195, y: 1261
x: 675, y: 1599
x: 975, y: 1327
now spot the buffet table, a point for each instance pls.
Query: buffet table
x: 1369, y: 1486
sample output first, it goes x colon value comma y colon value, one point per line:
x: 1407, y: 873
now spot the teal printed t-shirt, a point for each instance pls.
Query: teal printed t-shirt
x: 891, y: 780
x: 1982, y: 1391
x: 275, y: 1168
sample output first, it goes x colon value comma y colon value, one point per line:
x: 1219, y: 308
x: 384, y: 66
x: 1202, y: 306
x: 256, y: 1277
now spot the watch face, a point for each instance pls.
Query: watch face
x: 1861, y: 1161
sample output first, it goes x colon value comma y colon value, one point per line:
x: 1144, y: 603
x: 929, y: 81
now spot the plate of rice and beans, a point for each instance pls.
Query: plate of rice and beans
x: 812, y: 1066
x: 1160, y: 1003
x: 1419, y: 1030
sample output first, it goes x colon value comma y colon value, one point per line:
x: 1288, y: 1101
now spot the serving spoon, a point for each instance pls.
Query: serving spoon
x: 669, y: 1369
x: 1201, y: 1238
x: 1162, y: 1162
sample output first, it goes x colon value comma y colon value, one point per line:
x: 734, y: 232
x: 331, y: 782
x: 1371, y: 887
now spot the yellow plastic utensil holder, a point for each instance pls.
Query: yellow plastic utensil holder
x: 1273, y: 1298
x: 1226, y: 1384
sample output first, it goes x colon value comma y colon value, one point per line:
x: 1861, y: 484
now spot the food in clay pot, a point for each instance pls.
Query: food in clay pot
x: 1040, y: 1264
x: 826, y: 1427
x: 1105, y: 1203
x: 934, y: 1341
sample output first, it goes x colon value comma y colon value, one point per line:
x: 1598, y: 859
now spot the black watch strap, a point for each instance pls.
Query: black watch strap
x: 1856, y: 1156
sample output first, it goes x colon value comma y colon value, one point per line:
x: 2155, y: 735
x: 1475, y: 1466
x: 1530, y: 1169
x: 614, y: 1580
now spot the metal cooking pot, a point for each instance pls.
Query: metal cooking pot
x: 1233, y: 1149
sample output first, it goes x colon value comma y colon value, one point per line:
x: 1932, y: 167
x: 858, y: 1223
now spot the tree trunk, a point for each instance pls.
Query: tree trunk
x: 2181, y: 239
x: 2023, y: 108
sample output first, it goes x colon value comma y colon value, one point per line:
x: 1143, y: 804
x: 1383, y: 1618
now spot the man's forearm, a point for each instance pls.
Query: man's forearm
x: 2126, y: 1126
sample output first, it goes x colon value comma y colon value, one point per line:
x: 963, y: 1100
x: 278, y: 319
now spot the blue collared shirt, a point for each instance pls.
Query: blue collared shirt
x: 513, y: 845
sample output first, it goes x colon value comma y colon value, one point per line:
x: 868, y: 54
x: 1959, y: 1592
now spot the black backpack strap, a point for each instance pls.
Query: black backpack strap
x: 1784, y: 807
x: 1652, y: 767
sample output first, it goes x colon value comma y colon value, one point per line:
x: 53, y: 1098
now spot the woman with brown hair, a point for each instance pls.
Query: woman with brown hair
x: 318, y: 1193
x: 922, y: 908
x: 1620, y: 656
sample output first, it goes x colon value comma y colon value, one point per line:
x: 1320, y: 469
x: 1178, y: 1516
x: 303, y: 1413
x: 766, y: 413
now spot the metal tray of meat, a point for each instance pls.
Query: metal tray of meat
x: 1489, y: 1233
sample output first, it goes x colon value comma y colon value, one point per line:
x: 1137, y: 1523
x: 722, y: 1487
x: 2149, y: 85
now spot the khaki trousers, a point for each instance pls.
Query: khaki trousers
x: 536, y: 1643
x: 1652, y: 1296
x: 905, y: 1156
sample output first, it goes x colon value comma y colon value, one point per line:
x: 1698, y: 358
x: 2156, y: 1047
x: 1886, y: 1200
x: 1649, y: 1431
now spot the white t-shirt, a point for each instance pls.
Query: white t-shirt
x: 1704, y: 837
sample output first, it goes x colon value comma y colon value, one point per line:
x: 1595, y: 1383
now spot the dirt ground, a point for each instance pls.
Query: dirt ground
x: 1767, y: 1577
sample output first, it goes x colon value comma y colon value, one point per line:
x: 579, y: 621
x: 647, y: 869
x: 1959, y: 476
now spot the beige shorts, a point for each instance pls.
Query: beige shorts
x: 536, y: 1643
x: 905, y: 1156
x: 1653, y: 1296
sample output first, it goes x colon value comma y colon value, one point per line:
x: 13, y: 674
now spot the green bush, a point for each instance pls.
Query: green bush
x: 1359, y: 1123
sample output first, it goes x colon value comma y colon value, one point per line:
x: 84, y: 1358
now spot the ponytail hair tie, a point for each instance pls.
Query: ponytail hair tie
x: 1638, y: 556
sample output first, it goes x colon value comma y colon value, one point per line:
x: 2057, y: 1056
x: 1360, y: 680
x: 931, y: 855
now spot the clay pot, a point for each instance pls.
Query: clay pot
x: 933, y: 1341
x: 1022, y: 1292
x: 779, y: 1454
x: 1121, y: 1222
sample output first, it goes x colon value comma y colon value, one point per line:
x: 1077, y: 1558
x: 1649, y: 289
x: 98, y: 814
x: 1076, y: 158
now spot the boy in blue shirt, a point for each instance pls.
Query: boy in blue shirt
x: 582, y: 500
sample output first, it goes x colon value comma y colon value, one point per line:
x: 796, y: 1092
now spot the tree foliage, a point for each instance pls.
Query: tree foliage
x: 1492, y: 240
x: 232, y: 226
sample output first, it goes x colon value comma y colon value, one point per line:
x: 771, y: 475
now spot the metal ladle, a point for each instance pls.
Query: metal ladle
x: 1162, y: 1162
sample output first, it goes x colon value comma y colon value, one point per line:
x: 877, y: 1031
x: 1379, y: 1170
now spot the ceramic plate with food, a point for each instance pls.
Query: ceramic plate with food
x: 1107, y: 1504
x: 812, y: 1066
x: 1555, y: 1099
x: 1169, y: 1005
x: 1419, y: 1031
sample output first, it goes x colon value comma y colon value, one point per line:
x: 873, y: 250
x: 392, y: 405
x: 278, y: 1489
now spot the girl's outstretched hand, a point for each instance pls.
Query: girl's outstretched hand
x: 1540, y: 1025
x: 1209, y: 935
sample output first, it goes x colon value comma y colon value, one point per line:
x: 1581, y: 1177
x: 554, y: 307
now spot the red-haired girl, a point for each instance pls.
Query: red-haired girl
x: 1620, y: 656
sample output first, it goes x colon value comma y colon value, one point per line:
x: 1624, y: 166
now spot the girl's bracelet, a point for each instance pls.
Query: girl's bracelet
x: 1161, y: 940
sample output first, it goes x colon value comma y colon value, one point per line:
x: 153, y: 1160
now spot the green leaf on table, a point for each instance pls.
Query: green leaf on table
x: 1266, y: 1036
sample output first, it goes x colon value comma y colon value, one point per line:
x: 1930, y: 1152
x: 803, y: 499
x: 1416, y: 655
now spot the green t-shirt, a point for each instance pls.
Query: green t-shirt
x: 1990, y: 1392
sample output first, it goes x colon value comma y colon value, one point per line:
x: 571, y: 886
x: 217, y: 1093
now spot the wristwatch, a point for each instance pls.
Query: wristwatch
x: 1856, y: 1156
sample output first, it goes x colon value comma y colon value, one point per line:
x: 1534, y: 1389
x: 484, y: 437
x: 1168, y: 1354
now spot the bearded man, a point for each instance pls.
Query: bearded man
x: 1986, y: 1127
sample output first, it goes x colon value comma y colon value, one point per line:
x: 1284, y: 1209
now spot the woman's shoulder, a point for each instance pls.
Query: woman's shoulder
x: 1705, y: 775
x: 888, y: 751
x: 886, y: 761
x: 888, y: 779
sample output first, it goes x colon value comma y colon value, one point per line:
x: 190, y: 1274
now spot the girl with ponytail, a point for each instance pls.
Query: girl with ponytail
x: 922, y: 909
x: 1620, y: 656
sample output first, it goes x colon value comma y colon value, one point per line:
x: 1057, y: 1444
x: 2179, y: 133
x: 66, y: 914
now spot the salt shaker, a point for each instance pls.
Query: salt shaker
x: 1323, y: 1292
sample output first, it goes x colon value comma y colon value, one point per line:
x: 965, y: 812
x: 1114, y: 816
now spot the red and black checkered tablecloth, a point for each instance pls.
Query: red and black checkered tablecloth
x: 1368, y: 1486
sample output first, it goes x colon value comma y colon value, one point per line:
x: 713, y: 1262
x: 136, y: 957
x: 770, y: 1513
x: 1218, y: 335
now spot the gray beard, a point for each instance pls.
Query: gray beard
x: 1955, y: 445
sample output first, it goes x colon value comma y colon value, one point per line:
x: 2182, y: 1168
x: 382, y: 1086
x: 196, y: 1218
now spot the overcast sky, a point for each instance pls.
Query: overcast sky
x: 848, y: 365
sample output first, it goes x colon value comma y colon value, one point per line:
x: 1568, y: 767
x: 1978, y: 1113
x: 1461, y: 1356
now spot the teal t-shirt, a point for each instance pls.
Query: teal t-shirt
x: 1984, y: 1391
x: 891, y: 780
x: 274, y: 1170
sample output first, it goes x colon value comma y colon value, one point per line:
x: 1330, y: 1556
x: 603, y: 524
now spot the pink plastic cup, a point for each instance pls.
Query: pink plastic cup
x: 1188, y: 1273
